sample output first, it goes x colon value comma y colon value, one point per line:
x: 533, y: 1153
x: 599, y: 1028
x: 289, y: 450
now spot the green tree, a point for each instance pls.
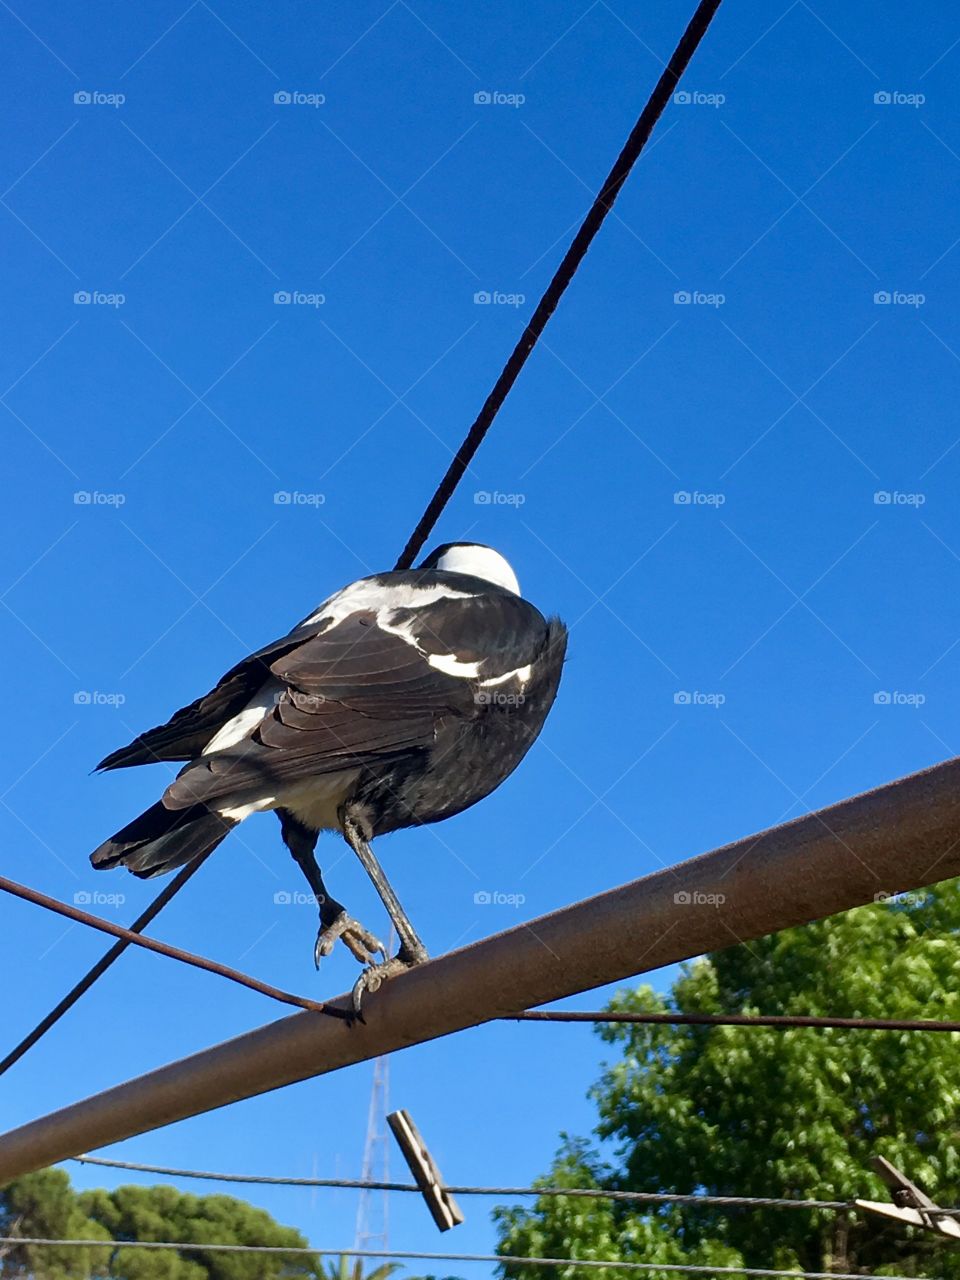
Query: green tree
x: 44, y: 1205
x: 766, y: 1112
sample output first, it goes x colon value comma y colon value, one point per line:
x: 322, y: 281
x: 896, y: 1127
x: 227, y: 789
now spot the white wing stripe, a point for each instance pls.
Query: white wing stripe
x: 371, y: 595
x: 245, y: 721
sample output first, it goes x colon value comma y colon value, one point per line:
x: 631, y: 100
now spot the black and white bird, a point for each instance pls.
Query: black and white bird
x: 401, y: 700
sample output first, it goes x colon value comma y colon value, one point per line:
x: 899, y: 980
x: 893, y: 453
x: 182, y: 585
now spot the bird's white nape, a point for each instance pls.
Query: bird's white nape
x: 479, y: 562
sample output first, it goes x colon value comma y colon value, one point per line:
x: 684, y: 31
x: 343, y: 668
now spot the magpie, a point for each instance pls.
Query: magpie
x: 404, y: 698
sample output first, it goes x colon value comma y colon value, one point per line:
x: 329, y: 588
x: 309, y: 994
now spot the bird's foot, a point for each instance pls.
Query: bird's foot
x: 361, y: 943
x: 375, y: 975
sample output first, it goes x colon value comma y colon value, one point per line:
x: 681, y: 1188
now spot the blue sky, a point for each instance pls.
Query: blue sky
x: 780, y: 640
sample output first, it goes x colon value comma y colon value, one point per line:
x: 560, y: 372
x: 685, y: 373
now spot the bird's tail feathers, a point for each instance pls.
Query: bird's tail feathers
x: 161, y: 839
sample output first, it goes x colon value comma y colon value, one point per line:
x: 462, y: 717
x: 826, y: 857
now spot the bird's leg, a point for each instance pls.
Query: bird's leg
x: 334, y: 921
x: 411, y: 951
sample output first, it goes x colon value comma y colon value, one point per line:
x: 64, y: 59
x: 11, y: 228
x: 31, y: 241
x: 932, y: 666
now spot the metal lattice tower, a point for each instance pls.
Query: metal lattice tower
x: 372, y: 1211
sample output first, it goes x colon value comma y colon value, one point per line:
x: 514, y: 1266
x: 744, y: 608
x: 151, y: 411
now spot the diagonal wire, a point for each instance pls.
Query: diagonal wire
x: 26, y: 894
x: 103, y: 964
x: 581, y: 242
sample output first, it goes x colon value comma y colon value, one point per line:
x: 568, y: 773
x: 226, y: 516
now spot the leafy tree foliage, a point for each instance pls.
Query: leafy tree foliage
x: 44, y: 1205
x: 766, y: 1112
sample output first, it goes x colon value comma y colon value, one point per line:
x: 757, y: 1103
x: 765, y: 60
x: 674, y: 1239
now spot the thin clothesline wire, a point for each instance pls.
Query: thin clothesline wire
x: 682, y: 1268
x: 585, y: 1193
x: 783, y: 1020
x: 44, y: 900
x: 103, y: 964
x: 639, y: 135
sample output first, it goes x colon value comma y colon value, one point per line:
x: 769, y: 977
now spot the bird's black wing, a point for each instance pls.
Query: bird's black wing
x: 358, y: 695
x: 189, y: 730
x: 496, y: 630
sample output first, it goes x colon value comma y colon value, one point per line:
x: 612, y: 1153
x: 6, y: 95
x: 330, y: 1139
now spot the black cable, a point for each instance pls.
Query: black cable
x: 102, y: 965
x: 28, y: 894
x: 591, y: 224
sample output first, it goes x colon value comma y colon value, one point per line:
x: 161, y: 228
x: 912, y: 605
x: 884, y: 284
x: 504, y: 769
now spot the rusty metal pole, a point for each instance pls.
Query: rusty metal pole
x: 899, y: 837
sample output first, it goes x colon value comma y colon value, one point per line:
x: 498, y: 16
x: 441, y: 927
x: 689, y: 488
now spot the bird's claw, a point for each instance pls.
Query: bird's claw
x: 362, y: 944
x: 375, y: 975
